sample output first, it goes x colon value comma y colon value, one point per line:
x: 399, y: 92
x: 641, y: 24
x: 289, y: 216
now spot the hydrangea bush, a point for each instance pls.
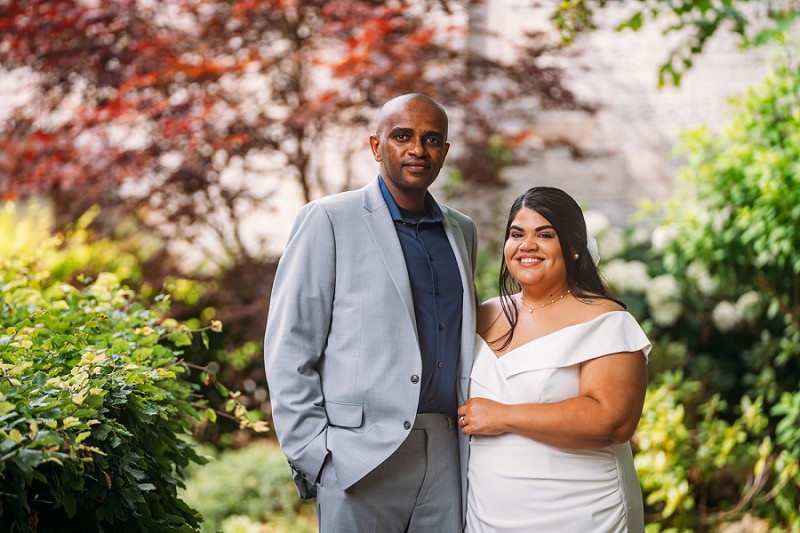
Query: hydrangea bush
x: 717, y: 287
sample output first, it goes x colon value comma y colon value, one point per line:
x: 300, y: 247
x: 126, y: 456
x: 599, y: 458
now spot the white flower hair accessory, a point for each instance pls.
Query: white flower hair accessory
x: 591, y: 244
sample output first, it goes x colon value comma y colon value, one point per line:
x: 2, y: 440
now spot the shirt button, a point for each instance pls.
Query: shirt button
x: 440, y: 365
x: 414, y: 379
x: 441, y: 327
x: 407, y: 424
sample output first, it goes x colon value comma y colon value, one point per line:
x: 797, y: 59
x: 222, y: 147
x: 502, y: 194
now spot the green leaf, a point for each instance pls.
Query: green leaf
x: 6, y: 407
x: 94, y: 400
x: 15, y: 435
x: 131, y: 497
x: 120, y: 346
x: 82, y: 436
x: 135, y: 473
x: 69, y: 503
x: 180, y: 338
x: 634, y: 23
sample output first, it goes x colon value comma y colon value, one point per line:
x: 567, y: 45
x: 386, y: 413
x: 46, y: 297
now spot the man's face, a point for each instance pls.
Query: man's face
x: 411, y: 146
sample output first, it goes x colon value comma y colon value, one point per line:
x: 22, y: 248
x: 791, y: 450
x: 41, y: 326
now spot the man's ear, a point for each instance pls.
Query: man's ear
x: 374, y: 144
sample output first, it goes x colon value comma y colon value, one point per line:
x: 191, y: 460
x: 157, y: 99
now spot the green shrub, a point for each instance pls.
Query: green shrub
x: 248, y: 490
x: 94, y: 408
x: 25, y: 228
x: 736, y: 219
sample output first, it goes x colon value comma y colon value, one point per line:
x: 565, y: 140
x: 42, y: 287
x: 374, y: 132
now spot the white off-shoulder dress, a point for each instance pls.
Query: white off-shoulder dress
x: 519, y: 485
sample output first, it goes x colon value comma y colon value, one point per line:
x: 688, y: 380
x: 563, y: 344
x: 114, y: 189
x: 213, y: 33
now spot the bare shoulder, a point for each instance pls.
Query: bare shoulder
x: 589, y: 308
x: 488, y: 313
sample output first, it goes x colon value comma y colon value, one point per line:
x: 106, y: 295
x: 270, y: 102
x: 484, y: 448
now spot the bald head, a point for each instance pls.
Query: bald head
x: 399, y: 103
x: 410, y: 144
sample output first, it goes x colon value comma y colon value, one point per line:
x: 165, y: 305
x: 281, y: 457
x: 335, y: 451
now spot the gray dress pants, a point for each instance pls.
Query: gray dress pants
x: 417, y: 489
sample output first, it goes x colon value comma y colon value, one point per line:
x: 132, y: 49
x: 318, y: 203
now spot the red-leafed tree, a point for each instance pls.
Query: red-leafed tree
x: 160, y: 107
x: 185, y: 116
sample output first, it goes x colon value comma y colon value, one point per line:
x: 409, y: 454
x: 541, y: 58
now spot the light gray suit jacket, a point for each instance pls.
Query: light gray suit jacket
x: 341, y: 350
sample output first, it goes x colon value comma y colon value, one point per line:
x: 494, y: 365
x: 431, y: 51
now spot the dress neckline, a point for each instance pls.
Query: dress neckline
x: 528, y: 343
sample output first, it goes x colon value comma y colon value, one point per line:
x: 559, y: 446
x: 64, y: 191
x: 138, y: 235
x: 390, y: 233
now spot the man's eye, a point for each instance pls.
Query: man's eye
x: 402, y: 137
x: 433, y: 140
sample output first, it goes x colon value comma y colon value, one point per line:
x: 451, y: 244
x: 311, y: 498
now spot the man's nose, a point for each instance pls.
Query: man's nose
x: 417, y: 147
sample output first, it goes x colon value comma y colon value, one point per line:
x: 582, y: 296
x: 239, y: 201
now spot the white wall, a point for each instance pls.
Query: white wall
x: 637, y: 126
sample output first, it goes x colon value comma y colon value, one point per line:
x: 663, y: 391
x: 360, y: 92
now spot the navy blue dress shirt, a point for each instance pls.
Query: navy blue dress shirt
x: 438, y: 296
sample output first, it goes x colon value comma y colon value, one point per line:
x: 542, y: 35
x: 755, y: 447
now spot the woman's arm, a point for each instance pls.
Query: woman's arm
x: 606, y: 411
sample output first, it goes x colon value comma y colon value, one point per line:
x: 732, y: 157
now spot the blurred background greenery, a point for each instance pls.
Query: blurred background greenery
x: 154, y: 131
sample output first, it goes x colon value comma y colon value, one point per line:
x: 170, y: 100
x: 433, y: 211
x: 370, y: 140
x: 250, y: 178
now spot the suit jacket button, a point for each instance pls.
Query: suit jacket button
x: 407, y: 424
x: 414, y: 379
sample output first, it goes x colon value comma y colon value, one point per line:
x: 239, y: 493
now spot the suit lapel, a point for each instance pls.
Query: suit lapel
x: 384, y: 234
x: 456, y: 237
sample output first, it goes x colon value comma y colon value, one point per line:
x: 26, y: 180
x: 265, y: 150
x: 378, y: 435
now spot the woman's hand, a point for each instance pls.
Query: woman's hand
x: 479, y: 416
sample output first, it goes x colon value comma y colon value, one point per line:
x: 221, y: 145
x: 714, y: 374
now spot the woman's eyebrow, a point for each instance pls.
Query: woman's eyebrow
x: 540, y: 228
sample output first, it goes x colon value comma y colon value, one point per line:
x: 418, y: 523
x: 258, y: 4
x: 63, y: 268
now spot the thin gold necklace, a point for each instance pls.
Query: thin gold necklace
x: 531, y: 308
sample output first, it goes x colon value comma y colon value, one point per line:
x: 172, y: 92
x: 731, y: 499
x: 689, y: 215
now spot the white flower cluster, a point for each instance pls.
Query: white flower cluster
x: 727, y: 316
x: 749, y: 306
x: 627, y: 276
x: 661, y: 293
x: 610, y: 239
x: 596, y: 222
x: 641, y: 236
x: 612, y: 242
x: 698, y: 274
x: 663, y: 300
x: 662, y: 236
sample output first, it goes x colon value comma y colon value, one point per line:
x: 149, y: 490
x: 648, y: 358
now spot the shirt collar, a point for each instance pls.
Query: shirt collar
x: 434, y: 213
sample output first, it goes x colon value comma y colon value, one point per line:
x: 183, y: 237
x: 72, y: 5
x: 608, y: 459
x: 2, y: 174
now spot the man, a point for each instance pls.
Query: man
x: 370, y: 337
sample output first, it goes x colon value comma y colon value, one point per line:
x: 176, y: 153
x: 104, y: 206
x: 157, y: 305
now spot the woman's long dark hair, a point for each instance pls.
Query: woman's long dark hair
x: 566, y: 217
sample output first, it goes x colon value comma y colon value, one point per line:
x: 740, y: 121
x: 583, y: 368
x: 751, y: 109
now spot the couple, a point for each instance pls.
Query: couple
x: 371, y: 354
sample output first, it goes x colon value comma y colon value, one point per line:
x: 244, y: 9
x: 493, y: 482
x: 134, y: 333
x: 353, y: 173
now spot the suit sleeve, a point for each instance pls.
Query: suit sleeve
x: 297, y: 329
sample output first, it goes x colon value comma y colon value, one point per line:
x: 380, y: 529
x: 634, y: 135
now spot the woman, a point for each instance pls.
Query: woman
x: 557, y: 387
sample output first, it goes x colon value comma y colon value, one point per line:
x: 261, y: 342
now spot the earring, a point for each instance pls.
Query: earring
x: 576, y: 256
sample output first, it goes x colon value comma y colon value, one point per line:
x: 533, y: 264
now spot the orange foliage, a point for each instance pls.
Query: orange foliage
x: 120, y: 84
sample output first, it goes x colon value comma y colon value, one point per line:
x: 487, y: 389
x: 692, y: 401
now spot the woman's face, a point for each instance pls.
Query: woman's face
x: 533, y: 251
